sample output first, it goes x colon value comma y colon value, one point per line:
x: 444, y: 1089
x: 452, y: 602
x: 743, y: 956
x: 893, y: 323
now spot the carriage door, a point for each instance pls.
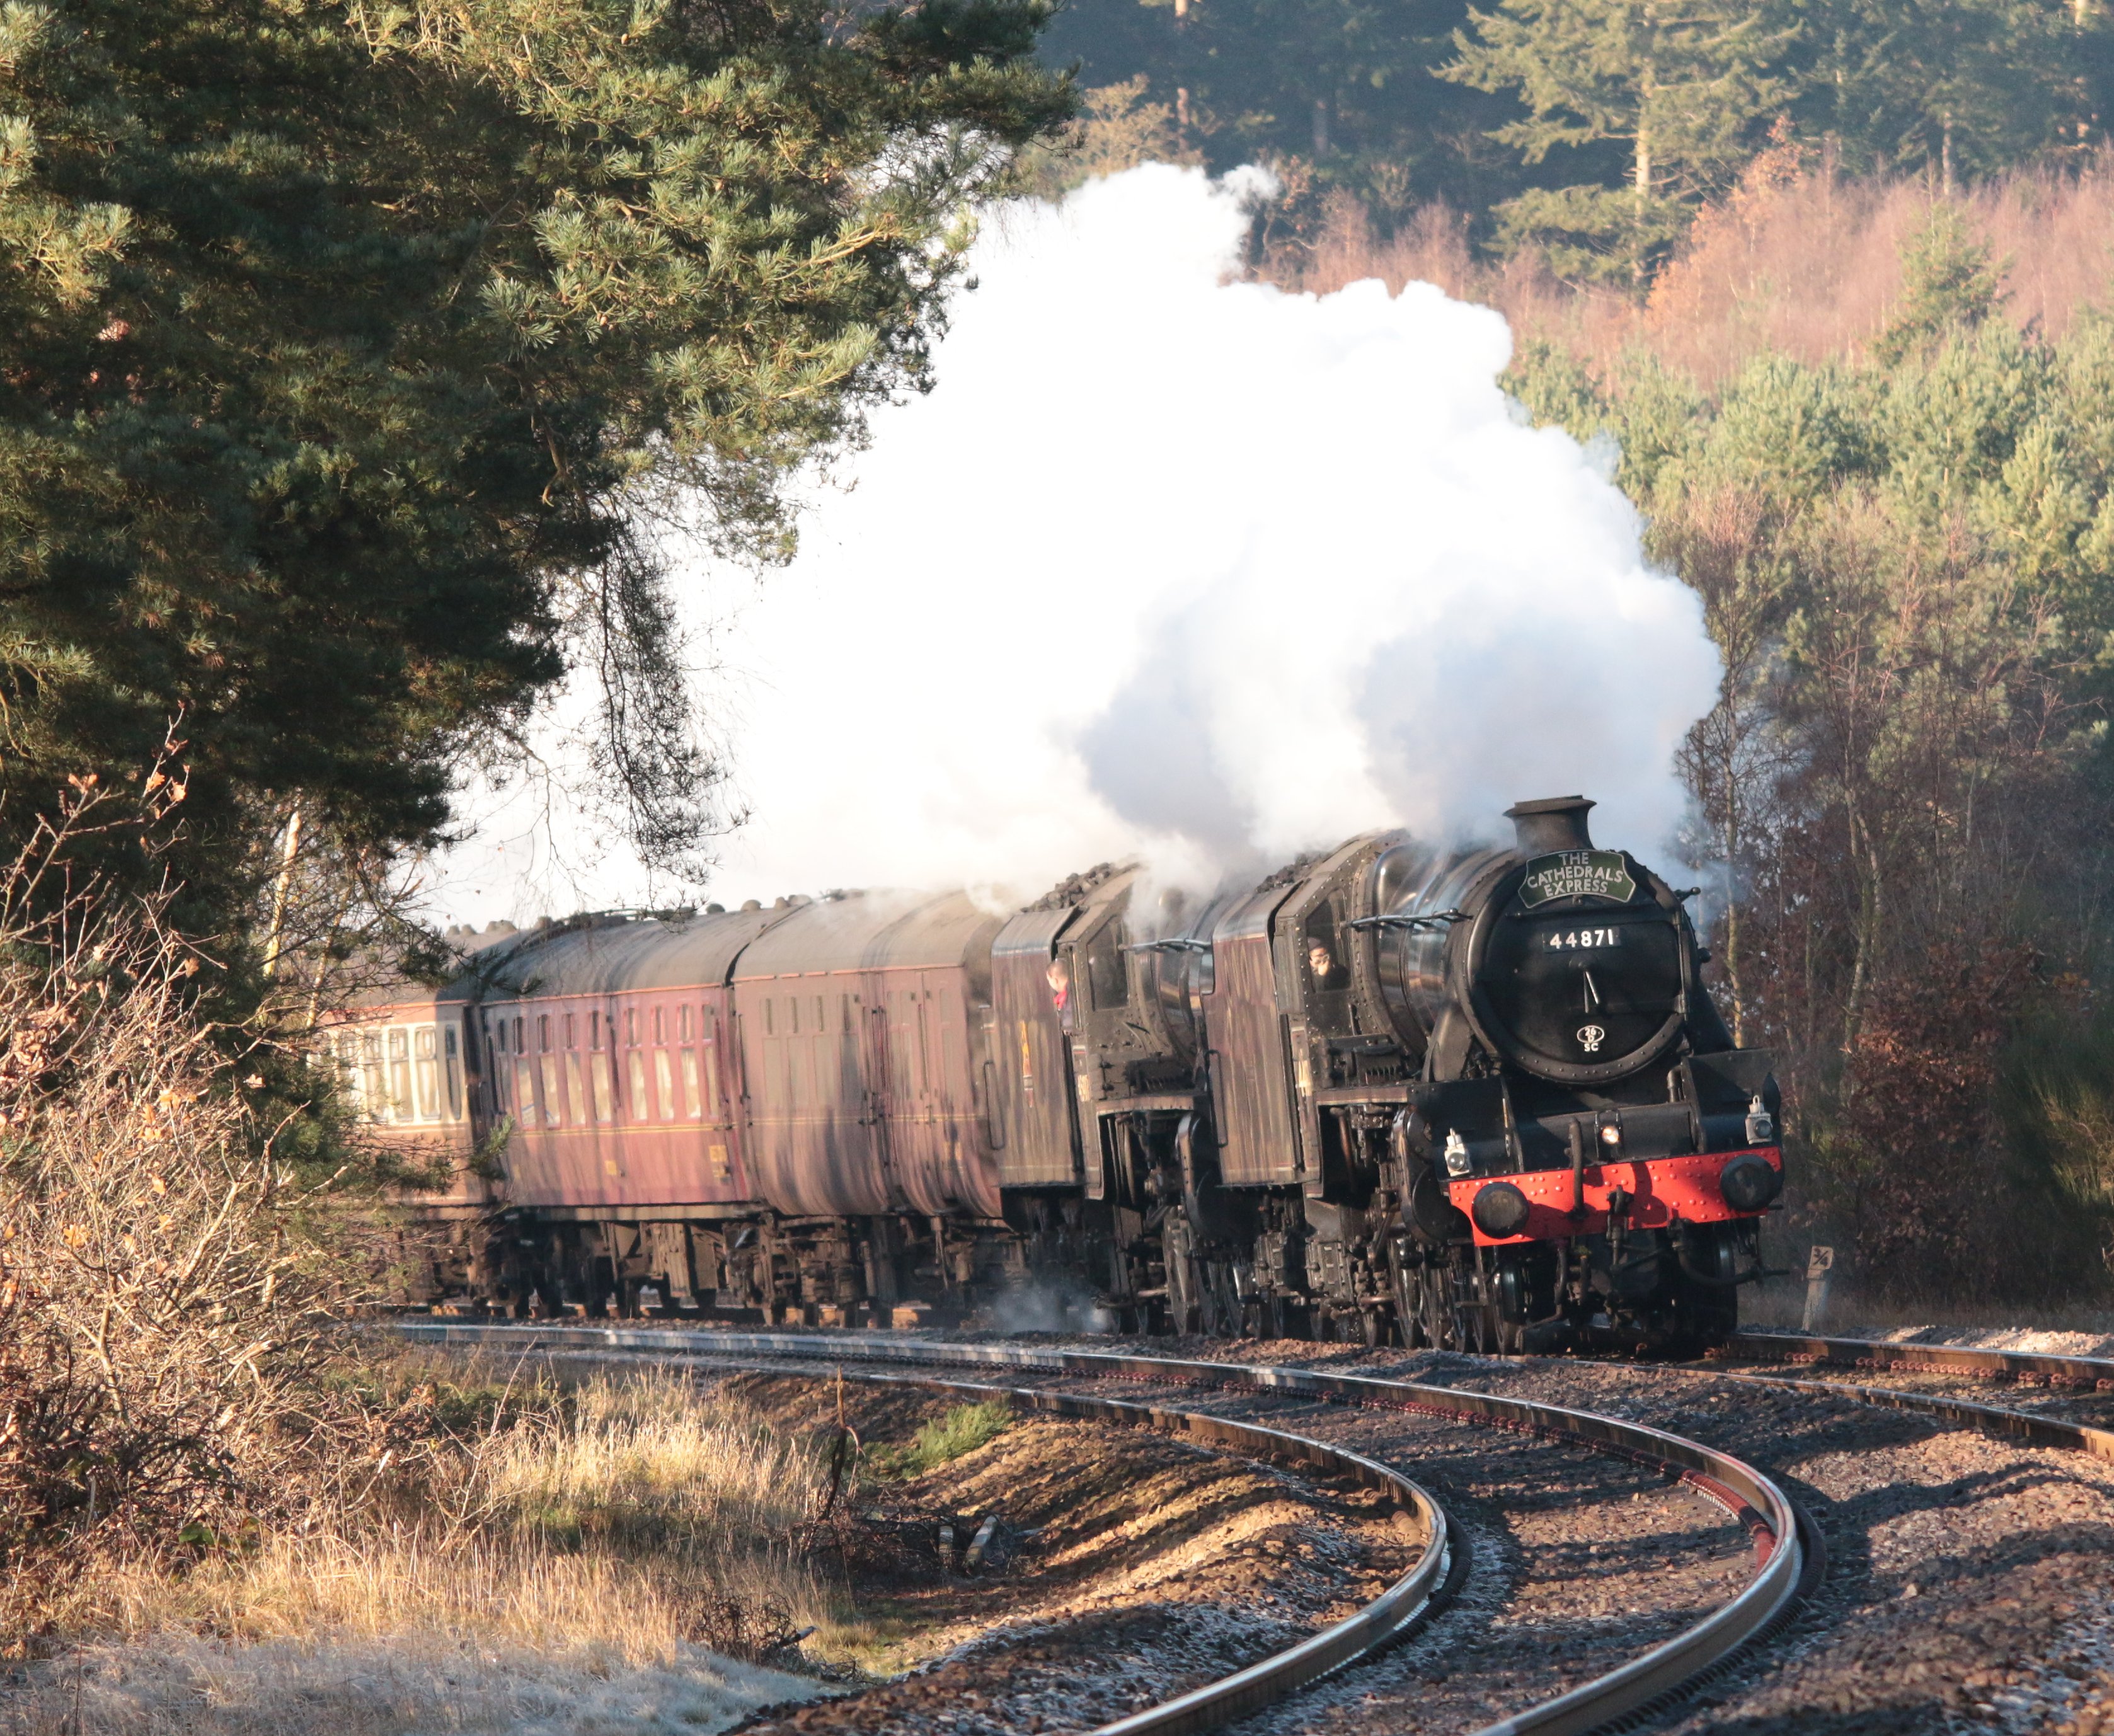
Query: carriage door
x: 879, y: 1100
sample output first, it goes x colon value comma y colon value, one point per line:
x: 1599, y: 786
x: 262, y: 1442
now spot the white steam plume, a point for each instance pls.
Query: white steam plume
x: 1178, y: 566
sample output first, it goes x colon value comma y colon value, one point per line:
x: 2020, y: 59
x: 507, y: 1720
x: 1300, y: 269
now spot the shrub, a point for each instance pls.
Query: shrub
x: 163, y: 1318
x: 942, y: 1440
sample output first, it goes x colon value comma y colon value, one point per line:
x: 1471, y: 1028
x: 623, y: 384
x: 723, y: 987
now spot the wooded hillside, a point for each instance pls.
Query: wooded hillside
x: 1589, y: 132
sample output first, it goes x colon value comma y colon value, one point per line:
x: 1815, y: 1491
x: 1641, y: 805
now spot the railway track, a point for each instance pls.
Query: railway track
x: 1787, y: 1553
x: 2074, y: 1373
x: 1396, y: 1612
x: 2082, y: 1373
x: 1971, y: 1581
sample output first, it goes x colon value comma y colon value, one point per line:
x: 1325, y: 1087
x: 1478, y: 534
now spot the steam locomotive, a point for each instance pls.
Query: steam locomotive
x: 1474, y: 1099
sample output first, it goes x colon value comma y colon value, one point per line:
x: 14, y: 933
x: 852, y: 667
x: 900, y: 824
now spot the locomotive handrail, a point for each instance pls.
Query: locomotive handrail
x: 1789, y: 1552
x: 1405, y: 1604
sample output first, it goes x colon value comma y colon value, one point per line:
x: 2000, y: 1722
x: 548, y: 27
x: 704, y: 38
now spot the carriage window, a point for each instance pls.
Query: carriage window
x: 641, y: 1109
x: 543, y: 1031
x: 712, y: 1076
x: 605, y: 1089
x: 822, y: 1023
x: 425, y: 1051
x: 692, y: 1106
x: 682, y: 1024
x: 552, y: 1116
x: 501, y: 1045
x: 792, y: 1006
x: 400, y: 1077
x: 1106, y: 979
x: 455, y: 1075
x: 573, y: 1035
x: 660, y: 1026
x: 630, y: 1025
x: 664, y: 1076
x: 524, y: 1092
x: 769, y: 1021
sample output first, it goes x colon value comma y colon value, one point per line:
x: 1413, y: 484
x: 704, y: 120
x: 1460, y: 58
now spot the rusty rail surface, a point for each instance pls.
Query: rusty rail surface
x: 2089, y: 1372
x: 2082, y: 1372
x: 1789, y: 1554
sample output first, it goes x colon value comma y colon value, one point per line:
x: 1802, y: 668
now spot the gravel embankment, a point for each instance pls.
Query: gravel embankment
x: 1581, y: 1561
x: 1128, y: 1568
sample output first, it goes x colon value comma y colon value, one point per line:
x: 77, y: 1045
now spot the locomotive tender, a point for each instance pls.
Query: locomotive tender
x: 1475, y: 1099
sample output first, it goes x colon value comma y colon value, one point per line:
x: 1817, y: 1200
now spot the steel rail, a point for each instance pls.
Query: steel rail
x: 2030, y: 1426
x: 1862, y: 1353
x: 1789, y: 1553
x: 1404, y: 1605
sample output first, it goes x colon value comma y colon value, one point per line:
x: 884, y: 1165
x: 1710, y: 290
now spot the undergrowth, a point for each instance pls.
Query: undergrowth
x: 944, y: 1439
x: 636, y: 1516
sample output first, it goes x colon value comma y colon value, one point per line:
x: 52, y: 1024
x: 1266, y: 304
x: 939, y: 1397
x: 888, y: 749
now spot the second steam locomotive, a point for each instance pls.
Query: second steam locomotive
x: 1475, y: 1099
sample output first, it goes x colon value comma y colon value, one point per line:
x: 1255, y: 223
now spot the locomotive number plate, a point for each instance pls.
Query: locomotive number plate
x: 1577, y: 939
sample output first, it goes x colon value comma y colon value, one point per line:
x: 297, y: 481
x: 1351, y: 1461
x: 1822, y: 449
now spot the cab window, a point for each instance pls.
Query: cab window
x: 1107, y: 982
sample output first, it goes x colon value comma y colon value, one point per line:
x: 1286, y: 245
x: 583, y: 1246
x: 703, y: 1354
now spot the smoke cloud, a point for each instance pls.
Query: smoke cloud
x: 1173, y: 565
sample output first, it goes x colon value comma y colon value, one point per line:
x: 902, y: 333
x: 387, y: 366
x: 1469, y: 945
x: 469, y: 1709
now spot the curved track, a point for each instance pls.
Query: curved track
x: 1788, y: 1550
x: 2085, y: 1372
x: 2080, y: 1373
x: 1403, y: 1606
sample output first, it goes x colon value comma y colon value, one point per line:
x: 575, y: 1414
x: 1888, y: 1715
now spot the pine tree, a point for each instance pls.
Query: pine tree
x: 1681, y: 89
x: 1949, y: 284
x: 1957, y: 89
x: 341, y: 347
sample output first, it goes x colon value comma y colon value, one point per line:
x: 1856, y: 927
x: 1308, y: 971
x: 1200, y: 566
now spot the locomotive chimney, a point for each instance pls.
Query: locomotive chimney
x: 1555, y: 822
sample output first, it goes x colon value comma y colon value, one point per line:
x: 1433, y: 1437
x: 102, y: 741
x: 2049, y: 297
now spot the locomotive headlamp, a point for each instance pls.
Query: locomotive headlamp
x: 1748, y: 1184
x: 1500, y: 1209
x: 1611, y: 1135
x: 1458, y: 1160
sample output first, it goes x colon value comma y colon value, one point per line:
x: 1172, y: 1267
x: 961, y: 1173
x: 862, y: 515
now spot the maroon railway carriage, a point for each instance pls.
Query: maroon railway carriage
x: 1474, y: 1098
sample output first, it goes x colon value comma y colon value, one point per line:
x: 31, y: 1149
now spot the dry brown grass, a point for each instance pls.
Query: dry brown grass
x: 629, y: 1547
x: 1799, y: 261
x: 636, y: 1514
